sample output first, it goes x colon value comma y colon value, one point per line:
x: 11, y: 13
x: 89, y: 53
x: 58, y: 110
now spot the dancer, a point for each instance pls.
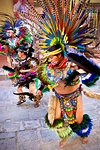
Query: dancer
x: 12, y: 33
x: 65, y: 38
x: 28, y: 71
x: 61, y: 76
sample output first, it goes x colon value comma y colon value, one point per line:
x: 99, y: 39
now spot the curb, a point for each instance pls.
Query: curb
x: 3, y: 75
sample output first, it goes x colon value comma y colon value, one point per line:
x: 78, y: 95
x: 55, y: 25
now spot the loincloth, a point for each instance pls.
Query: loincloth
x: 68, y: 103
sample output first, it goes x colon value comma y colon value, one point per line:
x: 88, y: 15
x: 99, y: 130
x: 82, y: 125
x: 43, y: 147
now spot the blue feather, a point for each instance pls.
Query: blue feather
x: 66, y: 16
x: 77, y: 26
x: 60, y: 11
x: 81, y: 46
x: 78, y: 8
x: 47, y: 41
x: 91, y: 80
x: 46, y: 24
x: 81, y: 32
x: 81, y: 50
x: 82, y: 14
x: 74, y: 35
x: 75, y: 31
x: 80, y: 39
x: 43, y: 30
x: 18, y: 23
x: 85, y: 134
x: 8, y: 23
x: 49, y: 36
x: 68, y: 21
x: 53, y: 18
x: 72, y: 6
x: 58, y: 33
x: 50, y: 24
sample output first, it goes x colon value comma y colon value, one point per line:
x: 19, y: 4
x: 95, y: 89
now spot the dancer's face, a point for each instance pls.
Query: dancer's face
x: 10, y: 33
x: 55, y: 59
x: 20, y: 54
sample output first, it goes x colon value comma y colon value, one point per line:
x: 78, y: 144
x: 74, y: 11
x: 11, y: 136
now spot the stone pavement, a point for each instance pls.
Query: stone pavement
x: 23, y: 127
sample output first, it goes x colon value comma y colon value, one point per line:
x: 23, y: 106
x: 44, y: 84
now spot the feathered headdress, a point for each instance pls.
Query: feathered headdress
x: 64, y: 22
x: 10, y: 24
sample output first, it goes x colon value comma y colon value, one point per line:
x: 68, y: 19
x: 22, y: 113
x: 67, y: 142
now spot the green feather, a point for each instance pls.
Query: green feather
x: 42, y: 76
x: 92, y: 82
x: 58, y: 126
x: 46, y: 89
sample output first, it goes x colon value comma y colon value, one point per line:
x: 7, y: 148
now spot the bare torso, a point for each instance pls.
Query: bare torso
x: 61, y: 89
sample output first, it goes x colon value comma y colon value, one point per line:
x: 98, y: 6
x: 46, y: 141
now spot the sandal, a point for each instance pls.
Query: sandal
x: 20, y: 102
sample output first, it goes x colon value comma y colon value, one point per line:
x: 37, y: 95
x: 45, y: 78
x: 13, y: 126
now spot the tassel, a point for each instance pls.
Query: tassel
x: 91, y: 94
x: 51, y: 109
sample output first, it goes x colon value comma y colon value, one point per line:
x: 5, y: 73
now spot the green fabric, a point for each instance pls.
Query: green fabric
x: 22, y: 39
x: 37, y: 81
x: 58, y: 126
x: 91, y: 82
x: 46, y: 89
x: 76, y: 127
x: 57, y: 123
x: 85, y: 122
x: 41, y: 74
x: 64, y: 132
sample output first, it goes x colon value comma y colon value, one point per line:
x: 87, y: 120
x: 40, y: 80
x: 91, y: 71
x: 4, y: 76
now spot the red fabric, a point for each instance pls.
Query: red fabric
x: 61, y: 65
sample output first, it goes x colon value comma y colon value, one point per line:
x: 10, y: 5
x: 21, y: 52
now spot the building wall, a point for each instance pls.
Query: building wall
x: 94, y: 1
x: 6, y: 6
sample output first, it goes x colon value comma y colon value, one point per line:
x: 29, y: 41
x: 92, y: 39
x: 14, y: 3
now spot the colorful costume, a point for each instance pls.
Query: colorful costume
x: 27, y: 77
x: 51, y: 76
x: 64, y: 30
x: 20, y: 35
x: 14, y: 64
x: 28, y: 66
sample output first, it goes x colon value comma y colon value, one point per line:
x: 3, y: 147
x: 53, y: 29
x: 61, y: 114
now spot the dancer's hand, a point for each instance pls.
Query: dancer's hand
x: 22, y: 71
x: 39, y: 93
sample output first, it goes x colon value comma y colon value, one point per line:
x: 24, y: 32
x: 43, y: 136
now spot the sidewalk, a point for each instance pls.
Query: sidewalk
x: 23, y: 127
x: 3, y: 75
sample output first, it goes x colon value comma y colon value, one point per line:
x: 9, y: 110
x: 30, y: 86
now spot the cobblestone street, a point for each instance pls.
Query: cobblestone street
x: 23, y: 127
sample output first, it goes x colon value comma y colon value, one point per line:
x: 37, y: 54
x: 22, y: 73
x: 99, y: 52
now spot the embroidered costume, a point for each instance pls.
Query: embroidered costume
x: 68, y: 104
x: 64, y: 30
x: 25, y: 64
x: 28, y: 71
x: 13, y: 33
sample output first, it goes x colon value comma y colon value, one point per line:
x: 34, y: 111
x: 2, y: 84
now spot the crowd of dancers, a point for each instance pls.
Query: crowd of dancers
x: 64, y: 38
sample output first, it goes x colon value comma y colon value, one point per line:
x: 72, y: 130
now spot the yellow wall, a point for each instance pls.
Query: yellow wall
x: 94, y: 1
x: 6, y: 6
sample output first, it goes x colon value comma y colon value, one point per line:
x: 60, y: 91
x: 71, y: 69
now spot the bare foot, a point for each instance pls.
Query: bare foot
x: 36, y: 105
x: 62, y: 143
x: 84, y: 140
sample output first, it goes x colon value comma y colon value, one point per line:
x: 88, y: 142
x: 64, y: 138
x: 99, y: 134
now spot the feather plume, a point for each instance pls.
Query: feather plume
x: 9, y: 69
x: 91, y: 80
x: 86, y: 64
x: 66, y: 21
